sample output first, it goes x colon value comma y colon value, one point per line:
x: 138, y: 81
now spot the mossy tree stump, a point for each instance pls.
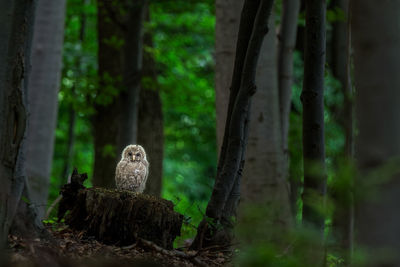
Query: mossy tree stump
x: 118, y: 217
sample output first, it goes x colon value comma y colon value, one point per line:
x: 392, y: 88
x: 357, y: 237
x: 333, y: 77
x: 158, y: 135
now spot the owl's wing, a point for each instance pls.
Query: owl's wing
x: 142, y: 171
x: 118, y: 170
x: 146, y: 165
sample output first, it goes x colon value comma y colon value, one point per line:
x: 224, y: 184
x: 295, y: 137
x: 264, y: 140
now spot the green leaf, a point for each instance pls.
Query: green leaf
x: 26, y: 200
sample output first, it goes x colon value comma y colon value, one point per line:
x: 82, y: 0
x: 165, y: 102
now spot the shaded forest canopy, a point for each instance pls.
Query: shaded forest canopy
x: 267, y: 141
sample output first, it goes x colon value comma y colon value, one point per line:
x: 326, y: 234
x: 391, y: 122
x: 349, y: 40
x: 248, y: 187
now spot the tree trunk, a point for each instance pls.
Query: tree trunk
x: 105, y: 121
x: 342, y: 222
x: 118, y: 217
x: 226, y: 32
x: 341, y: 70
x: 253, y: 27
x: 132, y: 68
x: 312, y: 98
x: 151, y: 124
x: 151, y: 136
x: 70, y: 145
x: 16, y: 30
x: 287, y: 43
x: 44, y: 83
x: 120, y: 48
x: 376, y: 39
x: 300, y: 37
x: 264, y: 184
x: 71, y: 111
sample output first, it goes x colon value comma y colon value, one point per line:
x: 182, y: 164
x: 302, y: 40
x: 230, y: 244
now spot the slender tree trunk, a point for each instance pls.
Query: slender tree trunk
x: 259, y: 175
x: 70, y: 145
x: 16, y: 30
x: 342, y: 223
x: 44, y: 83
x: 71, y: 111
x: 300, y: 37
x: 312, y: 98
x: 287, y: 43
x: 226, y: 32
x: 376, y: 39
x: 151, y: 124
x: 341, y: 70
x: 151, y: 136
x: 132, y: 68
x: 115, y: 122
x: 264, y: 184
x: 105, y: 121
x: 217, y: 203
x: 254, y: 18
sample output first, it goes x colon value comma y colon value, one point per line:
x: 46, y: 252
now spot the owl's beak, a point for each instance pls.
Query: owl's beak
x: 133, y: 158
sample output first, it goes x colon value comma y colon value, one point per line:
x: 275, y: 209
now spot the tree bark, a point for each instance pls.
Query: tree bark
x: 16, y: 30
x: 312, y: 98
x: 117, y: 216
x: 151, y: 123
x: 343, y: 217
x: 287, y: 42
x: 300, y: 37
x: 341, y: 54
x: 286, y: 46
x: 231, y: 159
x: 70, y: 145
x: 132, y: 68
x: 71, y: 111
x: 264, y: 184
x: 228, y: 14
x: 120, y: 49
x: 105, y: 121
x: 376, y: 40
x: 226, y: 32
x: 151, y: 136
x: 44, y: 83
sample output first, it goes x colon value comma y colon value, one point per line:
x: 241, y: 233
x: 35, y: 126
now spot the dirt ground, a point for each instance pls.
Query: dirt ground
x: 67, y: 248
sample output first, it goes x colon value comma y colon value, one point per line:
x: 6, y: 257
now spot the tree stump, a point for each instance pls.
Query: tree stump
x: 118, y: 217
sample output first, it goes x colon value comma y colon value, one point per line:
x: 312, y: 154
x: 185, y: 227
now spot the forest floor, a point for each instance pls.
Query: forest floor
x: 67, y: 248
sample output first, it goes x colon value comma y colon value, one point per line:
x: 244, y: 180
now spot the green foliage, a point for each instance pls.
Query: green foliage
x: 78, y: 86
x: 183, y: 46
x: 53, y: 220
x: 266, y: 243
x: 183, y: 36
x: 25, y: 199
x: 108, y: 150
x: 335, y: 14
x: 334, y: 135
x: 114, y: 42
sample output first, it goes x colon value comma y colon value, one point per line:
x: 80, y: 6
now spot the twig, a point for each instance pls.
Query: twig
x: 173, y: 253
x: 218, y: 247
x: 130, y: 246
x: 52, y: 206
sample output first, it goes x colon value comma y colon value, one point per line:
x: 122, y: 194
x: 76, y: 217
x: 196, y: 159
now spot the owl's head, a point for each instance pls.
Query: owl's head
x: 134, y: 153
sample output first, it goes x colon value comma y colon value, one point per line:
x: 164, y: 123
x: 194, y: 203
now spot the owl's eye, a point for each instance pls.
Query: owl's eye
x: 137, y: 154
x: 130, y: 154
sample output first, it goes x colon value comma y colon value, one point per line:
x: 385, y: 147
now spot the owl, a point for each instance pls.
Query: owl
x: 131, y: 172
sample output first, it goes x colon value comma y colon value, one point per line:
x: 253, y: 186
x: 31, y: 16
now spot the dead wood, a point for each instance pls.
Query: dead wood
x: 118, y: 217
